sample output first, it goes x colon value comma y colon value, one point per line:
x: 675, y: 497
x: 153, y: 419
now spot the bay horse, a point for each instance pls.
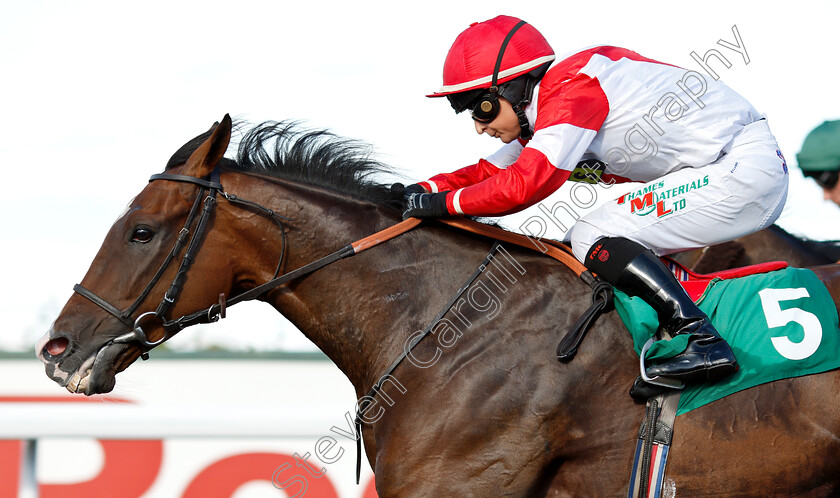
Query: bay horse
x: 770, y: 244
x: 495, y: 413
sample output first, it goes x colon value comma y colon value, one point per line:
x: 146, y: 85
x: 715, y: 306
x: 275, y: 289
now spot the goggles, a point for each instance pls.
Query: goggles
x: 482, y: 104
x: 825, y: 179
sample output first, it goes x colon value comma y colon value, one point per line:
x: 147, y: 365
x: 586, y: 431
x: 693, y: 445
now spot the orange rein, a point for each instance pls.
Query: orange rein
x: 548, y: 247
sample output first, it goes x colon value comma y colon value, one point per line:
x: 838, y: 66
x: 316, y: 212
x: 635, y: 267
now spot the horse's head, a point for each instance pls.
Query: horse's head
x: 169, y: 261
x: 110, y: 321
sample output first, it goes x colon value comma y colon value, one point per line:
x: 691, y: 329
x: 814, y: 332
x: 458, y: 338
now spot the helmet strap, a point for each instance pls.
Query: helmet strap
x: 493, y: 97
x: 519, y: 93
x: 494, y: 82
x: 524, y: 126
x: 519, y: 108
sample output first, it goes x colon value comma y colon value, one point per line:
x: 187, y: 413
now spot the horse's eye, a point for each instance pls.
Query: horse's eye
x: 142, y: 235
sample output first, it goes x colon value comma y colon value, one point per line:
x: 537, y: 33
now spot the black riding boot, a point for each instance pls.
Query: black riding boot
x: 636, y: 271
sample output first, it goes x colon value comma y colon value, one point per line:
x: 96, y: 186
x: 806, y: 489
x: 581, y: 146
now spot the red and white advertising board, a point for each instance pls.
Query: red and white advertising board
x: 265, y: 426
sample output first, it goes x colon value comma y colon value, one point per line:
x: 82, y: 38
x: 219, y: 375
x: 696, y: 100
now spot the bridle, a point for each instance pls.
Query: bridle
x: 202, y: 211
x: 209, y: 189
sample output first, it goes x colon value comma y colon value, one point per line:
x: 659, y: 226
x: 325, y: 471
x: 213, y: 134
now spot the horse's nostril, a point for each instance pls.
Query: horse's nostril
x: 56, y: 347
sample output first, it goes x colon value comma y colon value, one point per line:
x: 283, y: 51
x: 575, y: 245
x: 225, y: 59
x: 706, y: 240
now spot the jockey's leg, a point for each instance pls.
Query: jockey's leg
x: 740, y: 193
x: 636, y: 271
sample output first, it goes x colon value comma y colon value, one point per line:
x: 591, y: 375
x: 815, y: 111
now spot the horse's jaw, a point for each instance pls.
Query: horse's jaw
x: 95, y: 374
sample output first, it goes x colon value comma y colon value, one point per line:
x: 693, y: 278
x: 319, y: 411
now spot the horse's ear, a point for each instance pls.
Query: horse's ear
x: 209, y: 153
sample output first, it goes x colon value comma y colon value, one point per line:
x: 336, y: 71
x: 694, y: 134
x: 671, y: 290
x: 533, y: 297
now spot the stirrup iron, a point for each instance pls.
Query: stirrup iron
x: 656, y: 379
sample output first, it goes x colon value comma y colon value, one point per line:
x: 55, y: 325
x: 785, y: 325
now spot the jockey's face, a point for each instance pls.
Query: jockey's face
x: 506, y: 125
x: 833, y: 193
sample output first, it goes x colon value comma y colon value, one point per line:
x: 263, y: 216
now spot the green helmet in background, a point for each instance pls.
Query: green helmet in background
x: 820, y: 154
x: 821, y: 149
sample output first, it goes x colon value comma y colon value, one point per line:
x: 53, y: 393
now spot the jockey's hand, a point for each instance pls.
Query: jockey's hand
x: 400, y: 189
x: 425, y: 205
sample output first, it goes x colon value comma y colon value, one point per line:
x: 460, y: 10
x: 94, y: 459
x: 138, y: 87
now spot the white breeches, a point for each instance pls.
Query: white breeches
x: 740, y: 193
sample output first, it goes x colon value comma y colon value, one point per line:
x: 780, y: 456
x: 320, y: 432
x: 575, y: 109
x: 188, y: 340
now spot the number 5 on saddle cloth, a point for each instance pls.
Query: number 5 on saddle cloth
x: 780, y: 324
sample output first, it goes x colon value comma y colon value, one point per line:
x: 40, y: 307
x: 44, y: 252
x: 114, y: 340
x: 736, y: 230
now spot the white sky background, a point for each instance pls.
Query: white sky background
x: 97, y: 95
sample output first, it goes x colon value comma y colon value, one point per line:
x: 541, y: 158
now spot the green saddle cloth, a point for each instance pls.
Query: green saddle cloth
x: 780, y: 324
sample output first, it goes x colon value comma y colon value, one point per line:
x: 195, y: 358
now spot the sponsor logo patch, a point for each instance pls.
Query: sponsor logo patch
x: 588, y: 171
x: 596, y: 250
x: 655, y: 198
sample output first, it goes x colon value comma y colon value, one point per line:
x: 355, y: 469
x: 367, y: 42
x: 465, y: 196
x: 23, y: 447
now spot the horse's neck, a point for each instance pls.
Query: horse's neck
x: 360, y: 310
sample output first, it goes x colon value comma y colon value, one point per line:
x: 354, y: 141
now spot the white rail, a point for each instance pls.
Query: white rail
x: 129, y: 421
x: 175, y: 398
x: 31, y: 421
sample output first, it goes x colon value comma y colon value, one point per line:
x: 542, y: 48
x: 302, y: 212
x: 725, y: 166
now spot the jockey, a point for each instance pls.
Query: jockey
x: 710, y: 170
x: 820, y: 158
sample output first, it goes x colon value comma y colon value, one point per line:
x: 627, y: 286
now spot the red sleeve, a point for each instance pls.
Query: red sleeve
x: 571, y: 110
x: 579, y: 101
x: 529, y: 180
x: 463, y: 177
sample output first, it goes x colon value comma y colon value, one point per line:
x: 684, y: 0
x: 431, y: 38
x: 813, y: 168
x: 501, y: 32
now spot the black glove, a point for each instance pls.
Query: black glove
x: 400, y: 189
x: 415, y: 188
x: 425, y: 205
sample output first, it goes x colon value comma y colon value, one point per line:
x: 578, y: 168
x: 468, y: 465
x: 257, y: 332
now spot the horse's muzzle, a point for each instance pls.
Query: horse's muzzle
x: 93, y: 374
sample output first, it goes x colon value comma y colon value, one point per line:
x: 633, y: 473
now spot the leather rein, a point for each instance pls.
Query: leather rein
x: 202, y: 210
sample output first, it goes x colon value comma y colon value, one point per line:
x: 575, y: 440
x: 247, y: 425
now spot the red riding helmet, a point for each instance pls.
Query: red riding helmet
x: 472, y: 59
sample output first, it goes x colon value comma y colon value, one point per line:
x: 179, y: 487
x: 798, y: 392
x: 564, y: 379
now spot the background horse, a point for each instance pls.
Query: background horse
x: 483, y: 408
x: 770, y: 244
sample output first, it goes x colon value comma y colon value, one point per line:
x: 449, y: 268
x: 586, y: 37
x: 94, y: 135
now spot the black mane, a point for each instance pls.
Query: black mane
x: 317, y: 157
